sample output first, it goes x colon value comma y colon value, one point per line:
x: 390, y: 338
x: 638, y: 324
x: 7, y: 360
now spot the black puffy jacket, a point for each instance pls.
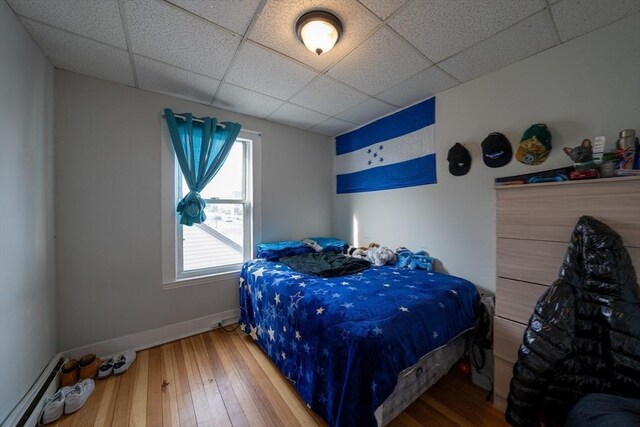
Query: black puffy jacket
x: 584, y: 334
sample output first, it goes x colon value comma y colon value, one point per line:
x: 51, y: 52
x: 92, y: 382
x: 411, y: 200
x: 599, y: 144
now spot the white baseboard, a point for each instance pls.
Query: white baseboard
x: 21, y: 408
x: 154, y: 337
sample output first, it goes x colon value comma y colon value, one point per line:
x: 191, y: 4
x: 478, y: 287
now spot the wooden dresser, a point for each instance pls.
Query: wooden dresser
x: 533, y: 226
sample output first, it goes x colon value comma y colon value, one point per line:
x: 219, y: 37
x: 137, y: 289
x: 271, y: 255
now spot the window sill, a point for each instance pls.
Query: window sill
x: 202, y: 280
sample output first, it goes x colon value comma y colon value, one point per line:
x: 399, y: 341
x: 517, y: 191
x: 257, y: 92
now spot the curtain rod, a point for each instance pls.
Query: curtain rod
x: 218, y: 124
x: 195, y: 119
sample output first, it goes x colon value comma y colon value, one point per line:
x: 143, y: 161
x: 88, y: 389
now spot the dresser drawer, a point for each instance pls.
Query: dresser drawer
x: 515, y: 300
x: 549, y: 212
x: 530, y: 260
x: 507, y: 337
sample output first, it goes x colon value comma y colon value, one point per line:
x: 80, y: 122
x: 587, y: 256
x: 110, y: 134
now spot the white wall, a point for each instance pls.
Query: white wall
x: 27, y: 278
x: 587, y: 87
x: 108, y: 192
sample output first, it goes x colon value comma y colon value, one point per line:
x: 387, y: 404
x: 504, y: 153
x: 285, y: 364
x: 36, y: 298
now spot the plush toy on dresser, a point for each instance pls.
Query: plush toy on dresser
x: 582, y: 156
x: 583, y: 163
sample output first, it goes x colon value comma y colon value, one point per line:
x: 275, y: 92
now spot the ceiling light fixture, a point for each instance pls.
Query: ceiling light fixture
x: 319, y: 31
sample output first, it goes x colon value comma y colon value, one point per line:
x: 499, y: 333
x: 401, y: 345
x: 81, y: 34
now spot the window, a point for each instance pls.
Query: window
x: 223, y: 241
x: 192, y: 255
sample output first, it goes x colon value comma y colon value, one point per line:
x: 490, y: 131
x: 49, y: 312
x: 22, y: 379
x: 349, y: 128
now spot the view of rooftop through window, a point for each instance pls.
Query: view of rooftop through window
x: 219, y: 241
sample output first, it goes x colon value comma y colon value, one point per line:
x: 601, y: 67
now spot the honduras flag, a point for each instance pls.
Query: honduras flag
x: 393, y: 152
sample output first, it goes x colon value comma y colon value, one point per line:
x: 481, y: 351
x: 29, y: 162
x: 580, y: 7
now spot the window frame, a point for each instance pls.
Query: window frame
x: 170, y: 181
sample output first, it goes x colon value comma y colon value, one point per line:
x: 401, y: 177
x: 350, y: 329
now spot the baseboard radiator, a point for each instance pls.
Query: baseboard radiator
x: 28, y: 410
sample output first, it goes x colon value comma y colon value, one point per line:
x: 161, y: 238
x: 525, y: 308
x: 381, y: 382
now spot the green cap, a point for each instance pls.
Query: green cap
x: 535, y: 145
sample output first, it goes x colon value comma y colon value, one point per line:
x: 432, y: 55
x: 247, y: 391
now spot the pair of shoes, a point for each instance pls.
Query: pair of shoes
x: 75, y: 370
x: 116, y: 365
x: 67, y: 400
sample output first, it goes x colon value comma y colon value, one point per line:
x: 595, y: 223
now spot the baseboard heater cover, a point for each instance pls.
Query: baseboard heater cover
x: 28, y: 410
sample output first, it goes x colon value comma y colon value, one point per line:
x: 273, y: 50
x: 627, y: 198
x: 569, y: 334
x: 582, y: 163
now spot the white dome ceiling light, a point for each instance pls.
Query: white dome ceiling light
x: 319, y: 31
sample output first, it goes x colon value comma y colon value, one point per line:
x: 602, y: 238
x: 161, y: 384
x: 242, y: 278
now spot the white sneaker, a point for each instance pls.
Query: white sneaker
x: 106, y: 369
x: 78, y: 395
x: 54, y: 406
x: 123, y: 362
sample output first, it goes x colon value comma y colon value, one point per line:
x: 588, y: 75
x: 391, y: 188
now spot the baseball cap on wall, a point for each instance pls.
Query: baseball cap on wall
x: 535, y: 145
x: 459, y: 160
x: 496, y: 150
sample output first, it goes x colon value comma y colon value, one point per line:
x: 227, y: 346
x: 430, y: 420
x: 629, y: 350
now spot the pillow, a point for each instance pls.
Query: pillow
x: 276, y: 250
x: 326, y: 244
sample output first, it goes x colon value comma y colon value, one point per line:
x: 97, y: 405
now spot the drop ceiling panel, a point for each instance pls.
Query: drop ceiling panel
x: 275, y: 28
x: 164, y: 32
x: 296, y: 116
x: 96, y: 19
x: 234, y: 15
x: 81, y: 55
x: 328, y: 96
x: 245, y: 101
x: 332, y: 127
x: 531, y: 36
x: 576, y: 17
x: 421, y: 86
x: 381, y: 62
x: 440, y: 29
x: 267, y: 72
x: 383, y: 8
x: 367, y: 111
x: 159, y: 77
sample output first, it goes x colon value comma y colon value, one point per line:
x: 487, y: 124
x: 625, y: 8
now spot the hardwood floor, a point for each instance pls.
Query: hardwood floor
x: 224, y: 379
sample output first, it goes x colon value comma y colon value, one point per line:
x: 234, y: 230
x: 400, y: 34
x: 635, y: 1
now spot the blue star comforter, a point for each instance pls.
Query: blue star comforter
x: 342, y: 341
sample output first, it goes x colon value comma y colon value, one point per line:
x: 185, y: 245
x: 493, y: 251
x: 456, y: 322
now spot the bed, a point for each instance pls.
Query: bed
x: 358, y: 348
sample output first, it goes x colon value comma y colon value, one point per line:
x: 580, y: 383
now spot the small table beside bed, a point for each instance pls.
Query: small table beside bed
x: 358, y: 348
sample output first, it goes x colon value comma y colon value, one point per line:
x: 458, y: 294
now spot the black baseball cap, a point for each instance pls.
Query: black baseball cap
x: 459, y: 160
x: 496, y: 150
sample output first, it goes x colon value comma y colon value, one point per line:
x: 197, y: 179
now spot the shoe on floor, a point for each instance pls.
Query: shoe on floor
x: 54, y: 406
x: 70, y: 373
x: 89, y: 365
x: 78, y: 395
x: 106, y: 369
x: 123, y: 362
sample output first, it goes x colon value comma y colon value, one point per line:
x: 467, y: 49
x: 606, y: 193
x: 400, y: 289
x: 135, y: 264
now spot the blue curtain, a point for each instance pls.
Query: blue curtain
x: 201, y: 148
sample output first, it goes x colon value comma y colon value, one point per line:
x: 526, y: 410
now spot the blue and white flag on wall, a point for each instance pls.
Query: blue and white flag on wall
x: 393, y: 152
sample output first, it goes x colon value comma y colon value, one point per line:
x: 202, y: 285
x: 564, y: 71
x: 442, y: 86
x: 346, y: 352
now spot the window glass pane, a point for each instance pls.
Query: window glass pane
x: 215, y: 243
x: 226, y: 219
x: 227, y: 184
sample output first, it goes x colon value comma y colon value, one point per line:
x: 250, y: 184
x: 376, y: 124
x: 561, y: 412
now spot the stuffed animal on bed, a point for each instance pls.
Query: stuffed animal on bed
x: 380, y: 256
x: 414, y: 260
x: 357, y: 252
x: 361, y: 251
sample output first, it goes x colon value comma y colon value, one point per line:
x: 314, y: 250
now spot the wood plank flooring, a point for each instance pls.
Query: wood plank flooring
x: 224, y: 379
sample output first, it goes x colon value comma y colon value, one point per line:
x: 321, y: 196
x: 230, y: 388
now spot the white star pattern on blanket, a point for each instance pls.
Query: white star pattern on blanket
x: 258, y: 273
